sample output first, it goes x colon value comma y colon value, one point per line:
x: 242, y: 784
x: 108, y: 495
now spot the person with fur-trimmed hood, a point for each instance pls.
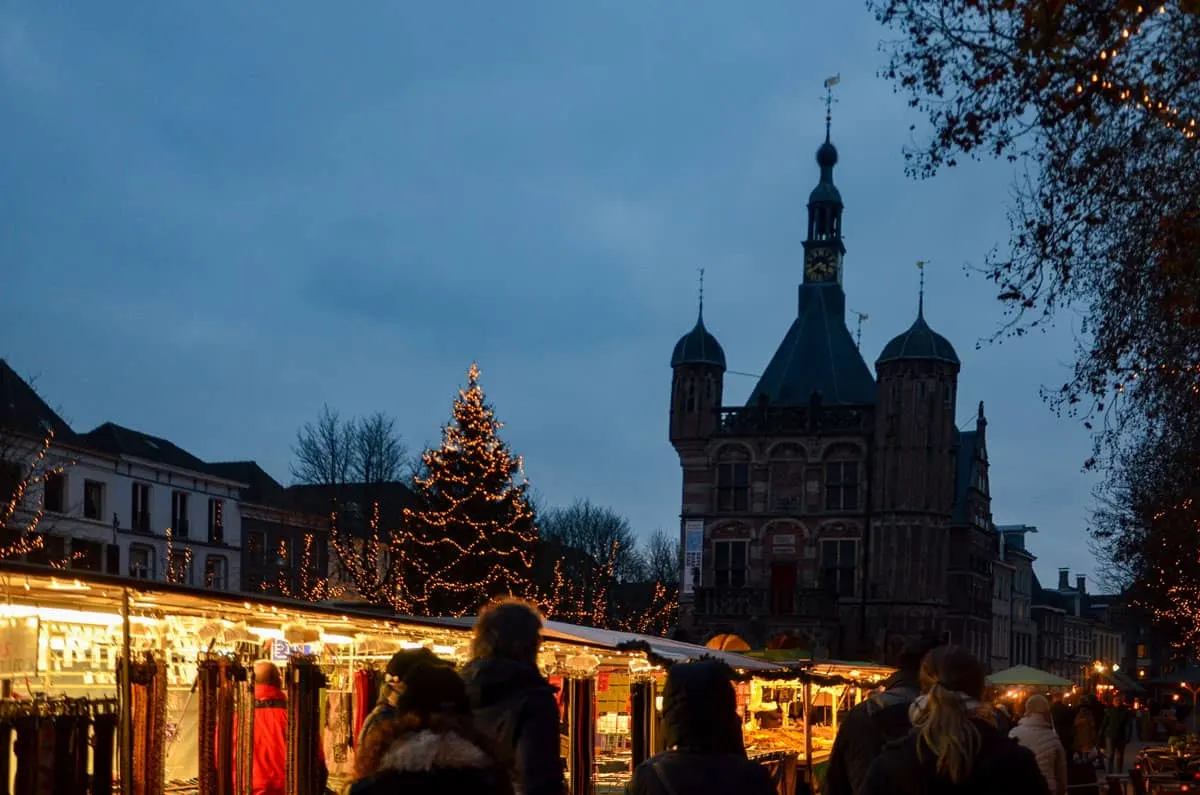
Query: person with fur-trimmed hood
x: 878, y: 720
x: 430, y: 746
x: 513, y: 703
x: 393, y: 687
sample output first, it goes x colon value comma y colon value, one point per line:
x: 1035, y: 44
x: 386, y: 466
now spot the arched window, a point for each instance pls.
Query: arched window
x: 689, y: 396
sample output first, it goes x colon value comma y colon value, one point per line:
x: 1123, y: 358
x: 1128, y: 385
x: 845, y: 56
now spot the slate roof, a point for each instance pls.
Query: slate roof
x: 698, y: 346
x: 817, y: 354
x: 22, y: 410
x: 964, y: 472
x: 919, y: 342
x: 117, y: 440
x: 261, y: 488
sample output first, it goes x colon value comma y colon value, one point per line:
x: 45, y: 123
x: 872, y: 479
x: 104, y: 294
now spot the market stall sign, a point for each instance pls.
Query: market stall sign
x: 281, y: 650
x: 18, y: 647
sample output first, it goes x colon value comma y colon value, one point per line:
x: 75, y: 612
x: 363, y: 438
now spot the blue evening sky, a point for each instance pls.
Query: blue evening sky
x: 215, y: 217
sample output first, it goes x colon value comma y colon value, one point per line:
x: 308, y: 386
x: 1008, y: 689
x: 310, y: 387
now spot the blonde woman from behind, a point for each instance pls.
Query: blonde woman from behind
x: 1036, y: 732
x: 954, y: 747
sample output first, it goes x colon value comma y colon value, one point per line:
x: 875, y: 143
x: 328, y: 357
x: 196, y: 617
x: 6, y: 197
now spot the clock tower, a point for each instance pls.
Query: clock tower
x: 823, y: 249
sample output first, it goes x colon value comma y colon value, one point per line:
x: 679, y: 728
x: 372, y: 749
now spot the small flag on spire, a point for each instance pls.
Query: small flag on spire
x: 830, y: 82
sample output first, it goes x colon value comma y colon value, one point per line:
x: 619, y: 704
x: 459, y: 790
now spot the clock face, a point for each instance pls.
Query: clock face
x: 821, y: 265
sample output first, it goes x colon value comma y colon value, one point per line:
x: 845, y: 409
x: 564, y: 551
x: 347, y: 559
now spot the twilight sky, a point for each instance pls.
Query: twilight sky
x: 216, y: 217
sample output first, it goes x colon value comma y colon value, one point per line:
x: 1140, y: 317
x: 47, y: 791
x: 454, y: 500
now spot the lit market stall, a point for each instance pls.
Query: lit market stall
x: 187, y: 683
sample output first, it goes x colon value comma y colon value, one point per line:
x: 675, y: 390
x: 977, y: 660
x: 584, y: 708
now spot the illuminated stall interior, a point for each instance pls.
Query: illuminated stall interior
x: 65, y: 638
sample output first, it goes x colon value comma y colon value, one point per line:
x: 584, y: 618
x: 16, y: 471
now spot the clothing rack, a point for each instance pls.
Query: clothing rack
x: 56, y: 738
x: 222, y: 682
x: 304, y: 758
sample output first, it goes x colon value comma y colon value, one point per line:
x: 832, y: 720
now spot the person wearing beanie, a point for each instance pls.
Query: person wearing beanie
x: 431, y: 746
x: 878, y: 720
x: 393, y: 687
x: 703, y: 735
x: 1035, y: 731
x: 513, y: 703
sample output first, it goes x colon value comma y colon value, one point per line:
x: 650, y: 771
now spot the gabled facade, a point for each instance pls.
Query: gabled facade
x: 825, y: 506
x: 118, y: 495
x: 285, y: 548
x: 1014, y: 553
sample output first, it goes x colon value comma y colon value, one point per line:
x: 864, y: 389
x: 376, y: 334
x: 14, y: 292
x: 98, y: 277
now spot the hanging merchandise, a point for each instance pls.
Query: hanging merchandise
x: 148, y: 711
x: 305, y: 759
x: 52, y: 745
x: 221, y: 679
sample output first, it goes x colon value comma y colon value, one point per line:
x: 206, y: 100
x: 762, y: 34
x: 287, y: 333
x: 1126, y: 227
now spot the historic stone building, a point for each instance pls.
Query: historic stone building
x: 838, y: 506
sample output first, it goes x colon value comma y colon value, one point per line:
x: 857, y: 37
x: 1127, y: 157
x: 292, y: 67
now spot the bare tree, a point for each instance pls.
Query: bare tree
x: 664, y: 558
x: 333, y: 451
x: 378, y: 453
x: 324, y: 450
x: 601, y: 532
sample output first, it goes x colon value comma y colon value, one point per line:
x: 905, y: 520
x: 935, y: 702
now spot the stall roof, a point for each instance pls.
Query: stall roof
x: 67, y: 588
x: 675, y: 650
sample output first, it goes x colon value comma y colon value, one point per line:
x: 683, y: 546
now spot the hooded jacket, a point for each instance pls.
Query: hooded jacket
x: 865, y: 730
x: 435, y: 763
x: 515, y: 705
x: 1036, y: 733
x: 1001, y: 766
x: 703, y: 731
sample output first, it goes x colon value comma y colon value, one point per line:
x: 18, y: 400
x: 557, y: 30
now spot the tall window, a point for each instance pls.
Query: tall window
x: 54, y: 497
x: 179, y: 513
x: 140, y: 507
x: 216, y: 572
x: 841, y: 486
x: 729, y: 563
x: 839, y: 559
x: 255, y: 547
x: 93, y: 500
x: 141, y: 562
x: 733, y: 487
x: 216, y: 521
x: 689, y: 396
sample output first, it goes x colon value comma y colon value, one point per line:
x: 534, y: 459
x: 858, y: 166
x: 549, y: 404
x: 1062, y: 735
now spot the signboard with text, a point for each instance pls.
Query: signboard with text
x: 693, y: 554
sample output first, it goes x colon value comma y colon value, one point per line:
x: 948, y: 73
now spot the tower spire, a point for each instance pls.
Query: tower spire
x: 830, y: 82
x: 701, y: 294
x: 921, y: 292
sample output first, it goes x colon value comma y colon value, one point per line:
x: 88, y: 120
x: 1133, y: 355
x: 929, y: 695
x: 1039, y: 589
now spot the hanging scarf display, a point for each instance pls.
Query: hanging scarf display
x: 304, y: 758
x: 219, y: 679
x: 148, y: 695
x: 104, y: 749
x: 52, y: 745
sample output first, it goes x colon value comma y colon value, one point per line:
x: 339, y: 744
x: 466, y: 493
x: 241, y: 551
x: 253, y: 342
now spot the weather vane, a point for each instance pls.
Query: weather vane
x: 862, y: 317
x: 830, y: 82
x: 921, y: 290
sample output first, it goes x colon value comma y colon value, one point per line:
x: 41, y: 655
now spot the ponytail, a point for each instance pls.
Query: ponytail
x: 944, y: 727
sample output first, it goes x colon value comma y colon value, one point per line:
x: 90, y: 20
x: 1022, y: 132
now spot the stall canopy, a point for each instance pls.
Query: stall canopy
x: 674, y: 650
x: 1024, y: 676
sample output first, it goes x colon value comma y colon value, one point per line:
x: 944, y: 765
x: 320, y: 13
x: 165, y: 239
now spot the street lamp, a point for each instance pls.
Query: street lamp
x: 1194, y: 690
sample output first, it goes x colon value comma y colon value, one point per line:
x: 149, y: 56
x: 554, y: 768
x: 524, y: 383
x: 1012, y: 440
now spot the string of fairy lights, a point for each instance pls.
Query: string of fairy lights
x: 1101, y: 82
x: 28, y: 535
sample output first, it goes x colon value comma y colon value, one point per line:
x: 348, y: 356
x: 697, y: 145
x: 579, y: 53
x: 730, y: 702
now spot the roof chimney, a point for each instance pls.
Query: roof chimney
x: 1081, y: 583
x: 1064, y: 579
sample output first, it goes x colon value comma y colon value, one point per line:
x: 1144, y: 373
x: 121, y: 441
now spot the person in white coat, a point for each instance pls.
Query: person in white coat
x: 1036, y: 732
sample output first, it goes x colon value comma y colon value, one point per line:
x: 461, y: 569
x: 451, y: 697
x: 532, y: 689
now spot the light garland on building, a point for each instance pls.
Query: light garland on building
x: 177, y: 567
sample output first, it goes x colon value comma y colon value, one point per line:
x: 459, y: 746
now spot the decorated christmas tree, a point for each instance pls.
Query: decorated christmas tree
x: 472, y: 535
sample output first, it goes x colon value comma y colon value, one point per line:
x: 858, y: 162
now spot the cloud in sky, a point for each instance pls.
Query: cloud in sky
x: 214, y: 219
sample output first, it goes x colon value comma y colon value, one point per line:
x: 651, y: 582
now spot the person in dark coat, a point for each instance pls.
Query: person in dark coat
x: 430, y: 746
x: 513, y: 703
x: 703, y: 733
x: 878, y: 720
x: 393, y: 686
x: 954, y: 747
